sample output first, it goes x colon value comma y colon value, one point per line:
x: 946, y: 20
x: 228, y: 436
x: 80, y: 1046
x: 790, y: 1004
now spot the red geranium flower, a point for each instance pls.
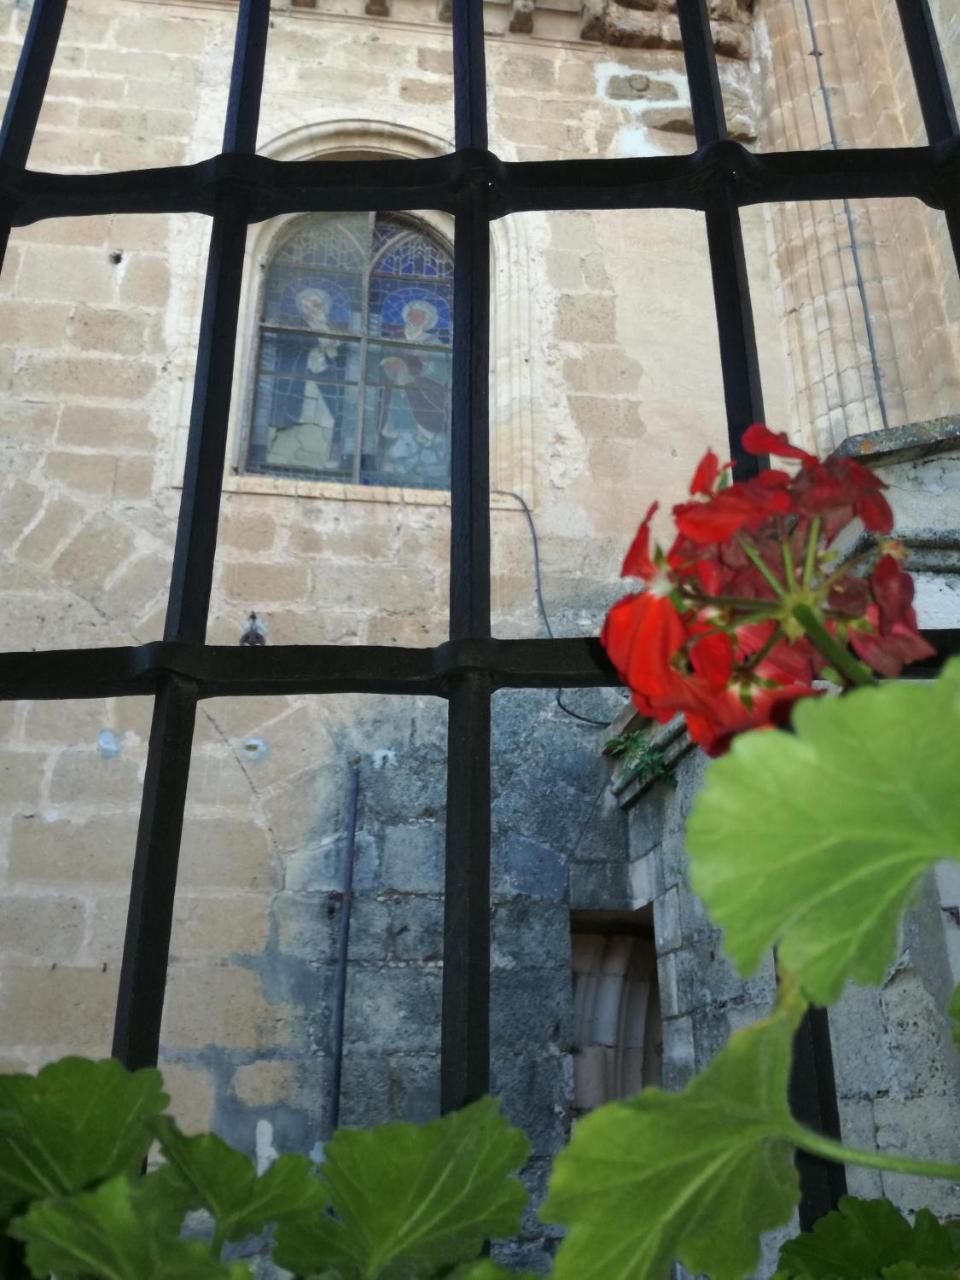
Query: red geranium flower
x: 893, y: 639
x: 748, y: 609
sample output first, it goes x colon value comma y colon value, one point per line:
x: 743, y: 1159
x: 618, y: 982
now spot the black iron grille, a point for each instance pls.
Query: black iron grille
x: 237, y: 188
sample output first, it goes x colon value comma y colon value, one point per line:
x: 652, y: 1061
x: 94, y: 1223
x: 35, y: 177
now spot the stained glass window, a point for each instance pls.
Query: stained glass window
x: 353, y: 363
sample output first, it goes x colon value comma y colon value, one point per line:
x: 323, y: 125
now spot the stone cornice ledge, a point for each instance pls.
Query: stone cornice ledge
x: 671, y: 740
x: 903, y: 444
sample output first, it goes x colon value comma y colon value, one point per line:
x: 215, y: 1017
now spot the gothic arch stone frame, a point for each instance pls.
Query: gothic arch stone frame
x: 516, y: 383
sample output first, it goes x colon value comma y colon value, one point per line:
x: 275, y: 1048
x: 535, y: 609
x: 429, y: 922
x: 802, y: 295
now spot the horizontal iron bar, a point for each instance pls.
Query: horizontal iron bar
x: 255, y: 187
x: 221, y: 671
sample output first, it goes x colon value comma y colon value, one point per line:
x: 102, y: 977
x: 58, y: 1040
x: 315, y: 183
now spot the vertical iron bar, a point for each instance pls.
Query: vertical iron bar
x: 193, y: 557
x: 143, y: 972
x: 926, y: 61
x: 147, y: 942
x: 731, y: 286
x: 933, y: 90
x: 26, y: 95
x: 465, y: 1020
x: 812, y: 1084
x: 813, y: 1100
x: 343, y: 946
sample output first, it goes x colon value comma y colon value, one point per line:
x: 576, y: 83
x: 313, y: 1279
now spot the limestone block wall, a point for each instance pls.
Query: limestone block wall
x: 912, y: 296
x: 596, y: 407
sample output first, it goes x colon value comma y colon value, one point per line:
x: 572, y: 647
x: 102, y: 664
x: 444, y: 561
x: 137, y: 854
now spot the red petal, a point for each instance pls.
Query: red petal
x: 759, y: 439
x: 712, y: 657
x: 641, y: 634
x: 705, y: 476
x: 637, y: 562
x: 874, y: 511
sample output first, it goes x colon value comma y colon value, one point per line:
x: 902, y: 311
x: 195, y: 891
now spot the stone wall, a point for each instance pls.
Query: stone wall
x: 910, y: 296
x: 606, y: 387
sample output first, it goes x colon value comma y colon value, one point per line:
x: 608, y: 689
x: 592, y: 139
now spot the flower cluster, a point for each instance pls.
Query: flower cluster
x: 752, y: 603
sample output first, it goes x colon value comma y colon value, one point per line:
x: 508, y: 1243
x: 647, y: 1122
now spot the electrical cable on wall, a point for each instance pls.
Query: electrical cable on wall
x: 538, y: 584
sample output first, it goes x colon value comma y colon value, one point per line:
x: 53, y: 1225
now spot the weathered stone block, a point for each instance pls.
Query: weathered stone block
x: 228, y: 924
x: 191, y: 1096
x: 319, y: 866
x: 526, y: 868
x: 412, y: 858
x: 95, y: 850
x: 382, y: 1087
x: 49, y: 929
x: 528, y: 933
x: 533, y: 1094
x: 61, y: 1008
x: 392, y: 1008
x: 397, y: 928
x: 226, y: 851
x: 219, y: 1004
x: 531, y: 1007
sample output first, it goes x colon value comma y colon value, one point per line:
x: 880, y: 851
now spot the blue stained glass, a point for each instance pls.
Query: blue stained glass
x: 410, y: 313
x: 321, y: 395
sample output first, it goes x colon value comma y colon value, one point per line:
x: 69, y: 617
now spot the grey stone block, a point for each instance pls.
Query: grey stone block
x: 679, y: 1059
x: 532, y: 1091
x: 529, y: 933
x: 381, y: 1088
x: 600, y: 886
x: 393, y: 1008
x: 666, y: 921
x: 604, y: 834
x: 403, y: 927
x: 861, y: 1061
x: 319, y: 867
x: 525, y: 868
x: 531, y: 1008
x: 305, y: 924
x: 550, y: 815
x: 412, y: 859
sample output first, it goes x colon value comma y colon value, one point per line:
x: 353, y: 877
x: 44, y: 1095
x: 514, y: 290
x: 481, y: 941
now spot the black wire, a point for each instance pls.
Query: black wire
x: 538, y: 583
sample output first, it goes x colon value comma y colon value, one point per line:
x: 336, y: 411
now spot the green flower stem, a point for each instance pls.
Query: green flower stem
x: 813, y: 540
x: 837, y: 654
x: 817, y: 1145
x: 788, y: 574
x: 754, y: 555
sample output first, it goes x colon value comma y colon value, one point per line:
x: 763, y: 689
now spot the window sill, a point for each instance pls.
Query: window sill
x: 334, y: 491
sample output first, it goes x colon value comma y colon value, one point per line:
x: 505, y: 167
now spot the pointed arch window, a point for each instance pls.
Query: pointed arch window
x: 354, y: 350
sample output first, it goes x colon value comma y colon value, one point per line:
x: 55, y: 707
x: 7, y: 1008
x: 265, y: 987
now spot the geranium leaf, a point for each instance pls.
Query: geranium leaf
x: 202, y: 1172
x: 487, y: 1270
x: 814, y: 840
x: 694, y: 1177
x: 954, y: 1012
x: 412, y: 1199
x: 863, y: 1239
x: 106, y: 1234
x: 72, y: 1125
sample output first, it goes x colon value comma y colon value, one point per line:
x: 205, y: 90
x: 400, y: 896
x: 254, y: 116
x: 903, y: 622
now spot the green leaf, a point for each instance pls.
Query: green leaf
x: 412, y: 1199
x: 204, y: 1173
x: 954, y: 1012
x: 863, y: 1239
x: 107, y: 1235
x: 74, y: 1124
x: 487, y: 1270
x: 695, y: 1176
x: 814, y: 840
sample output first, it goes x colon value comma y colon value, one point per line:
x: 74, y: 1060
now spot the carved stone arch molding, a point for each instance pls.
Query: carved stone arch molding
x: 515, y: 386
